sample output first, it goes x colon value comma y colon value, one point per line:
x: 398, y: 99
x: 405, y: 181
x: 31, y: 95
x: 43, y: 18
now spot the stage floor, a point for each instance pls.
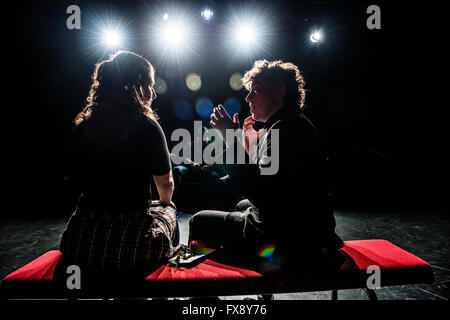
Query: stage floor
x: 425, y: 234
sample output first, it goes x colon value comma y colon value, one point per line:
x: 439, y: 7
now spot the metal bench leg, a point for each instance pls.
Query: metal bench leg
x: 334, y: 295
x: 371, y: 294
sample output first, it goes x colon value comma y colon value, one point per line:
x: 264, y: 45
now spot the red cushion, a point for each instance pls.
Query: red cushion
x: 40, y: 269
x: 397, y: 267
x: 382, y: 253
x: 206, y: 270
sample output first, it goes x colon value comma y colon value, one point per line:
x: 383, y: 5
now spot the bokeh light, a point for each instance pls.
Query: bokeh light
x: 236, y: 81
x: 204, y: 107
x: 160, y: 86
x: 232, y: 106
x: 193, y: 81
x: 183, y: 110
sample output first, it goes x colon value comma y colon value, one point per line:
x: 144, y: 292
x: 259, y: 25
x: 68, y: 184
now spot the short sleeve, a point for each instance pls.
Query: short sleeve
x: 160, y: 157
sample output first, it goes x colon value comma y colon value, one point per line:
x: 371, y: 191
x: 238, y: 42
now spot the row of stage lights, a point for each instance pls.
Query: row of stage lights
x: 175, y: 34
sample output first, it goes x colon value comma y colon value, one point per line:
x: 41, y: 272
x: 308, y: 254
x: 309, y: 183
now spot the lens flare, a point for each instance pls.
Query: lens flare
x: 266, y: 251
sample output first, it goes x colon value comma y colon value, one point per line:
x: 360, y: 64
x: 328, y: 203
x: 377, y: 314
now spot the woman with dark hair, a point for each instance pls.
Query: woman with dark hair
x: 118, y: 148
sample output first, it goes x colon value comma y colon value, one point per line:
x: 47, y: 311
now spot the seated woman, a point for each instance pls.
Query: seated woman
x: 288, y: 201
x: 118, y: 147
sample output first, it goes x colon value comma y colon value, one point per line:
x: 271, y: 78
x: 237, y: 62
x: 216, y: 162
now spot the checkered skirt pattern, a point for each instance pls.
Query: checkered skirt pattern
x: 117, y: 242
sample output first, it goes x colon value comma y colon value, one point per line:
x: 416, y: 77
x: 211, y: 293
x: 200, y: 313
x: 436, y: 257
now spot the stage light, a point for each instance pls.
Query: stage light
x: 166, y: 16
x: 207, y: 14
x: 246, y: 34
x: 174, y: 34
x: 316, y: 36
x: 105, y: 34
x: 193, y: 82
x: 173, y: 40
x: 111, y: 38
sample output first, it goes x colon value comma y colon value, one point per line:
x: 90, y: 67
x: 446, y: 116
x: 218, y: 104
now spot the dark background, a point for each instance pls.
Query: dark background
x: 371, y: 93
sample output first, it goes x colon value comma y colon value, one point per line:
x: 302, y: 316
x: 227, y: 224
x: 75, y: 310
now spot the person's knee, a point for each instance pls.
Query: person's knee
x: 196, y: 221
x: 243, y: 205
x: 197, y: 218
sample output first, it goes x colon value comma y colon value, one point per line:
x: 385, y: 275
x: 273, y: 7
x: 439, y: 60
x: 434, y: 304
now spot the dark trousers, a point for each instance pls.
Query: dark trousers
x: 220, y: 228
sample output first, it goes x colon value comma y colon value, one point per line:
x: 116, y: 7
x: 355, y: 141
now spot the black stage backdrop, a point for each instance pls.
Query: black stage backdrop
x: 373, y: 94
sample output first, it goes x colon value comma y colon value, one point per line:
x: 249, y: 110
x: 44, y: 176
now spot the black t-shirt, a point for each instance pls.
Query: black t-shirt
x: 293, y: 200
x: 113, y: 158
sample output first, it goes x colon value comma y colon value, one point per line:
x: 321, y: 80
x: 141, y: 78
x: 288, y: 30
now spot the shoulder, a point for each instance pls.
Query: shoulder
x: 150, y: 128
x: 298, y: 123
x: 148, y: 124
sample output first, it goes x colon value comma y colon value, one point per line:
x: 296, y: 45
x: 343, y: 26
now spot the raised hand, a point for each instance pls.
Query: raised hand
x: 250, y: 135
x: 221, y: 120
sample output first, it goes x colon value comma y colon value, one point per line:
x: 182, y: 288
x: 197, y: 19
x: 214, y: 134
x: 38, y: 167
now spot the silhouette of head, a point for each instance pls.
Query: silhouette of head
x: 273, y: 85
x: 124, y: 80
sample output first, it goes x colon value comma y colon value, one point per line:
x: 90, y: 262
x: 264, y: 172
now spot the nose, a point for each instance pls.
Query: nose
x: 154, y: 94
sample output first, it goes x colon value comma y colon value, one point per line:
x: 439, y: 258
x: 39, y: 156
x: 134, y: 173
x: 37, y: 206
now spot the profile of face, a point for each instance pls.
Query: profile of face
x: 264, y: 100
x: 149, y: 93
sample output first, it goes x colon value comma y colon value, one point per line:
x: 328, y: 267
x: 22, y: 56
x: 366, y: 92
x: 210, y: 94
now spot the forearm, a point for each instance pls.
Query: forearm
x: 165, y: 187
x: 165, y: 192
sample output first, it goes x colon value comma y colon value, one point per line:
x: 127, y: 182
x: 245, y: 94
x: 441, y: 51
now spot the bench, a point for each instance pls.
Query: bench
x: 211, y: 278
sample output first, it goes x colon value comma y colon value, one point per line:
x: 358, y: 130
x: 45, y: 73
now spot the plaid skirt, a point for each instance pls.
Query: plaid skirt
x: 117, y: 242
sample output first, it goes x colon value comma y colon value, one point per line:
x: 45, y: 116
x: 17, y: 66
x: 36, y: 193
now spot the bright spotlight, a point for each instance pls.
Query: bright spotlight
x: 111, y: 38
x: 207, y: 14
x: 175, y: 38
x: 174, y: 34
x: 166, y: 16
x: 246, y: 34
x: 316, y: 36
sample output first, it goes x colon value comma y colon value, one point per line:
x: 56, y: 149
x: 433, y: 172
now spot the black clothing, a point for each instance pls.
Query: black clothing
x: 114, y: 157
x: 292, y: 207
